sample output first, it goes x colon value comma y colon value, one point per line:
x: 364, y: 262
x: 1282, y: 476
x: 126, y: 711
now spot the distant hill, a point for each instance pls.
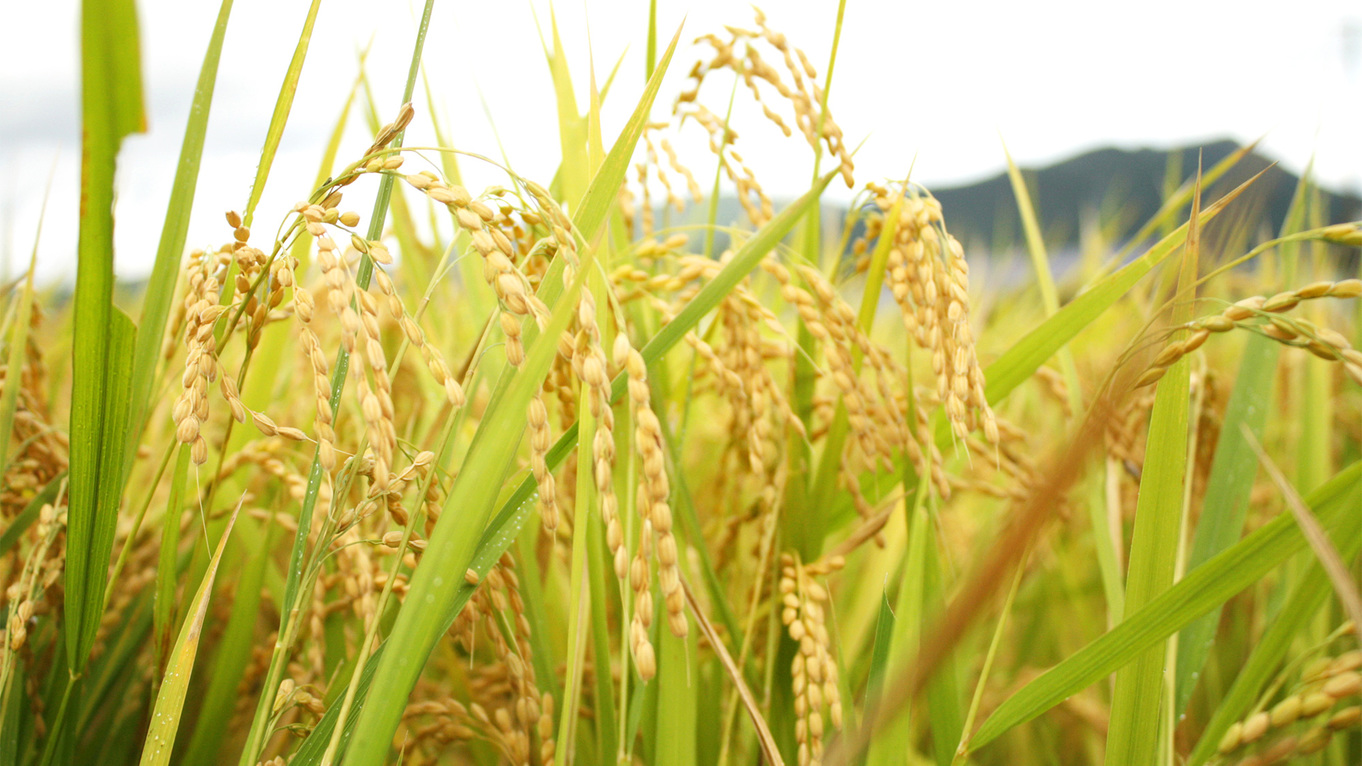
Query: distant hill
x: 1107, y: 185
x: 1128, y: 184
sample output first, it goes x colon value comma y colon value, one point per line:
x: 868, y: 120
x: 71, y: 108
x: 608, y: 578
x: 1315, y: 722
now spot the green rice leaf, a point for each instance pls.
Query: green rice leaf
x: 572, y: 127
x: 282, y: 105
x: 452, y: 544
x: 1305, y: 598
x: 879, y: 663
x: 1202, y: 590
x: 160, y: 290
x: 167, y: 573
x: 111, y: 106
x: 1133, y: 737
x: 677, y: 699
x: 96, y: 463
x: 1227, y: 497
x: 1035, y: 245
x: 25, y: 518
x: 1020, y: 361
x: 1135, y: 707
x: 945, y: 708
x: 11, y: 705
x: 18, y: 344
x: 229, y: 666
x: 165, y: 718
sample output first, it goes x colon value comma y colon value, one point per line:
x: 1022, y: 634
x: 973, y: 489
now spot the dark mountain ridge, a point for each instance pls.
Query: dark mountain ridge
x: 1124, y: 183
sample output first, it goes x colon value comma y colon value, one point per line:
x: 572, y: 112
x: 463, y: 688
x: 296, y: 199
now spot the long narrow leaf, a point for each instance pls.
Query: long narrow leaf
x: 1300, y: 604
x: 233, y: 654
x: 1021, y: 360
x: 160, y: 289
x: 24, y: 519
x: 111, y: 105
x: 1133, y: 737
x: 452, y: 544
x: 282, y: 105
x: 515, y: 509
x: 1227, y: 497
x: 165, y: 718
x: 18, y: 345
x: 1201, y: 590
x: 167, y: 574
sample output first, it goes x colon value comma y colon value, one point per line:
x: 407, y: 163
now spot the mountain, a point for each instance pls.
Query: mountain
x: 1120, y: 189
x: 1116, y: 182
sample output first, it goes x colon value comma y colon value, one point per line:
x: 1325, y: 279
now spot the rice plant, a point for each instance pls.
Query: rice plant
x: 571, y: 470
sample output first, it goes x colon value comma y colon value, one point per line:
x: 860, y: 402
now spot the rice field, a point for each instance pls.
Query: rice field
x: 533, y: 474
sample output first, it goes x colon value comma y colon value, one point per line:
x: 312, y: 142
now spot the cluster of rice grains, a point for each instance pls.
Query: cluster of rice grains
x: 814, y: 670
x: 791, y: 86
x: 1267, y: 316
x: 521, y: 714
x: 1322, y: 702
x: 582, y: 371
x: 382, y: 471
x: 926, y: 271
x: 747, y: 356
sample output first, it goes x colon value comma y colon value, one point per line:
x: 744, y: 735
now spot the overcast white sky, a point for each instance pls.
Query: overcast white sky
x: 938, y: 81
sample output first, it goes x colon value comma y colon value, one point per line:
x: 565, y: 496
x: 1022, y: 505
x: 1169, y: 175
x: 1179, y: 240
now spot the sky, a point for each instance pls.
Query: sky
x: 936, y: 87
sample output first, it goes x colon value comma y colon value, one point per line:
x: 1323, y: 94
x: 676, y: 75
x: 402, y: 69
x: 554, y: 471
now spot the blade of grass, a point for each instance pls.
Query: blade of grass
x: 95, y: 488
x: 1230, y: 483
x: 10, y: 711
x: 677, y: 699
x: 579, y: 594
x: 962, y: 750
x: 167, y: 574
x: 1301, y: 603
x: 451, y: 546
x: 879, y: 662
x: 24, y: 519
x: 111, y: 109
x: 945, y: 711
x: 1203, y: 589
x: 572, y: 127
x: 1225, y: 504
x: 160, y: 291
x: 1329, y: 558
x: 1133, y: 735
x: 18, y: 342
x: 282, y: 105
x: 165, y: 718
x: 893, y: 739
x: 607, y: 731
x: 229, y: 666
x: 1035, y: 245
x: 290, y: 607
x: 1020, y: 361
